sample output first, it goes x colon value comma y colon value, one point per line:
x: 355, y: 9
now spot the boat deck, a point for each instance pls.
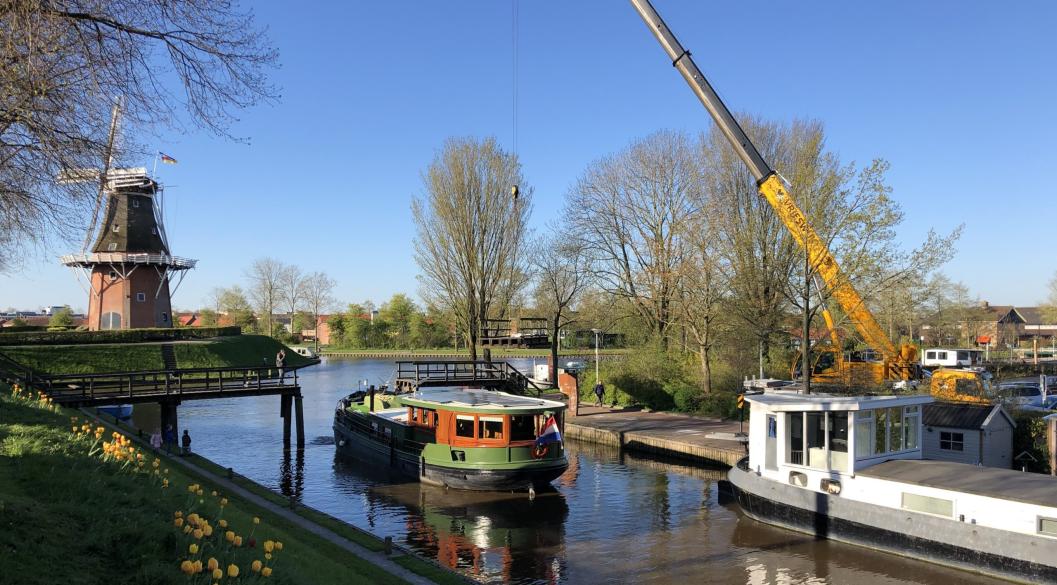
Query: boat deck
x: 992, y: 482
x: 397, y: 415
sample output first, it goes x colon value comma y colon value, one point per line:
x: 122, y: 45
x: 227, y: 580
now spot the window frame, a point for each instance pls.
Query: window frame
x: 951, y: 441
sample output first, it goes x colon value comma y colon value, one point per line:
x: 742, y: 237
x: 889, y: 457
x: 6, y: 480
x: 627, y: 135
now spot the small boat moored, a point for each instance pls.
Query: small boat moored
x: 463, y: 438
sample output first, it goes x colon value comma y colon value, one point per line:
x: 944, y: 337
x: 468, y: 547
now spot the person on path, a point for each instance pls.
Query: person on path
x: 280, y: 362
x: 155, y: 440
x: 169, y: 438
x: 600, y: 392
x: 186, y: 440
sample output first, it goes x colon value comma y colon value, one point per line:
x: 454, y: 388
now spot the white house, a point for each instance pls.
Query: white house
x: 968, y: 433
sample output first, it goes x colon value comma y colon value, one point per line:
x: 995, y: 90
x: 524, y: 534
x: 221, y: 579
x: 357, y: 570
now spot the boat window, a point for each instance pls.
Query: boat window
x: 523, y: 427
x: 881, y: 431
x: 490, y: 427
x: 864, y: 435
x: 895, y: 433
x: 816, y: 440
x: 911, y: 428
x: 838, y: 431
x: 464, y: 426
x: 928, y: 505
x: 952, y: 441
x: 795, y: 424
x: 1048, y: 526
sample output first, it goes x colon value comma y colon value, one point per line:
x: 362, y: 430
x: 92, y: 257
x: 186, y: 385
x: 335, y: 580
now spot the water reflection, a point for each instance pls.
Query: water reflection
x: 292, y: 474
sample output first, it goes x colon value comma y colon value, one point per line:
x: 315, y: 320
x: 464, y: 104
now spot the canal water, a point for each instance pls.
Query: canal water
x: 613, y: 517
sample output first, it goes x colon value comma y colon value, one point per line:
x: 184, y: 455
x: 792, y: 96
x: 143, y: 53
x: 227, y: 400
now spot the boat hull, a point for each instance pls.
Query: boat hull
x: 970, y: 547
x: 411, y: 463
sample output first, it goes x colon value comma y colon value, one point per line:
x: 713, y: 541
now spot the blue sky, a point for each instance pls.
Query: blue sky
x: 958, y: 96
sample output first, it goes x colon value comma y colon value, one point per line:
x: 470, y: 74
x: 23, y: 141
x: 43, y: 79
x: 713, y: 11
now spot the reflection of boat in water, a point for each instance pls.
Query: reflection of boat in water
x: 456, y: 437
x: 494, y: 536
x: 118, y: 411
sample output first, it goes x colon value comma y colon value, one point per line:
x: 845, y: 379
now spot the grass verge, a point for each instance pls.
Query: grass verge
x: 68, y: 517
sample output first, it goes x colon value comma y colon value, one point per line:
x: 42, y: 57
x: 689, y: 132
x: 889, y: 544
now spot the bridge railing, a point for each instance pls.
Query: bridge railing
x: 88, y: 387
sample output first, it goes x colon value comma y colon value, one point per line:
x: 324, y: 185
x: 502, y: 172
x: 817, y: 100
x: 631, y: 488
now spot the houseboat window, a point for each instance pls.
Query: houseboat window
x: 490, y: 427
x: 881, y: 431
x: 1048, y: 526
x: 838, y: 432
x: 952, y: 441
x: 795, y: 424
x: 928, y: 505
x: 523, y: 427
x: 816, y: 440
x: 864, y: 435
x: 910, y: 427
x: 895, y: 433
x: 464, y: 426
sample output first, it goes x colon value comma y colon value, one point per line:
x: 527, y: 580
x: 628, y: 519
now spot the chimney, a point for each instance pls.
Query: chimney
x: 984, y: 305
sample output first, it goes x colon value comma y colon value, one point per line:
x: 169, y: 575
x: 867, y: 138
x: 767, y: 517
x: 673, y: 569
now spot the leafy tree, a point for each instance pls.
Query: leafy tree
x: 61, y: 318
x: 208, y: 318
x: 432, y: 328
x: 470, y: 227
x: 397, y: 314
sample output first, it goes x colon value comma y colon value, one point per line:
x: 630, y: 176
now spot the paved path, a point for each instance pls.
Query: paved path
x: 678, y: 435
x: 378, y: 559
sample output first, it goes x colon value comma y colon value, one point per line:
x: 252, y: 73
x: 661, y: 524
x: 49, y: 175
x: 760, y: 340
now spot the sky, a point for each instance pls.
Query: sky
x: 958, y: 96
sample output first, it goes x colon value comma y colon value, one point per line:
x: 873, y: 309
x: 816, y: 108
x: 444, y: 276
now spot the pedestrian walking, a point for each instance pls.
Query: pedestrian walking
x: 155, y: 440
x: 169, y: 438
x: 280, y: 362
x: 600, y: 392
x: 186, y: 440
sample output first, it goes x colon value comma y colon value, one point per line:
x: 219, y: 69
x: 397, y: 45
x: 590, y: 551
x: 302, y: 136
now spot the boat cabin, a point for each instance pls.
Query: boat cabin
x: 804, y: 439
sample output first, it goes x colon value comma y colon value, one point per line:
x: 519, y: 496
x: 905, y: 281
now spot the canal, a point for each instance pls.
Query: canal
x: 613, y: 517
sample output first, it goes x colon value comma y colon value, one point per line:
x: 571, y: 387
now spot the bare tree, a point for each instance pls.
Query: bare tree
x: 703, y: 292
x: 561, y: 276
x: 64, y: 62
x: 292, y: 290
x: 631, y: 212
x: 319, y: 298
x: 265, y: 278
x: 471, y: 224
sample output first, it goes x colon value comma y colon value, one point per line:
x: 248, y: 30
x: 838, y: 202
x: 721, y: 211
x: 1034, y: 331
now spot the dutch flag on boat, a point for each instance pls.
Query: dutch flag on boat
x: 550, y: 433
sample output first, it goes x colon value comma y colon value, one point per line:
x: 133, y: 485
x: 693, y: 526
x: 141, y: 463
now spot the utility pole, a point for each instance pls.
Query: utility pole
x: 805, y: 334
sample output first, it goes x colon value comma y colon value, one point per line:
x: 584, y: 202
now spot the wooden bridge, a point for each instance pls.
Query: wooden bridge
x: 481, y: 374
x: 168, y: 388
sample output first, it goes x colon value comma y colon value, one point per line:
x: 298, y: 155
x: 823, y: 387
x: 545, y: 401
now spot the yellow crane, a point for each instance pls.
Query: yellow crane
x: 896, y: 363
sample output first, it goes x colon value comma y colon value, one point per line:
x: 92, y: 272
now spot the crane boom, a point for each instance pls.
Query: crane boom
x: 774, y: 188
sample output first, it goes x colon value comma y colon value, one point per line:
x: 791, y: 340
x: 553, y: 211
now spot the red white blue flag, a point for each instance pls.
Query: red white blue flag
x: 167, y: 159
x: 550, y: 433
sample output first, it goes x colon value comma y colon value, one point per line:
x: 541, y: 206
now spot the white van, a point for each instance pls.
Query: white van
x: 951, y: 358
x: 307, y: 352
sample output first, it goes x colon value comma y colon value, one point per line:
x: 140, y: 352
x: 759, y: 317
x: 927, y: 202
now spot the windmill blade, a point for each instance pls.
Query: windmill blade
x: 108, y: 161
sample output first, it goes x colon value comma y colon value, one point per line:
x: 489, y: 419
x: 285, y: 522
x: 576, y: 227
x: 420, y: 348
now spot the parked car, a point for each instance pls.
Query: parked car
x: 1028, y: 392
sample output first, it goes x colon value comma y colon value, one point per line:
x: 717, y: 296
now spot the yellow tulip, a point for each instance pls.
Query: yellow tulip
x: 255, y: 566
x: 218, y: 574
x: 177, y: 514
x: 268, y: 546
x: 229, y: 536
x: 187, y: 567
x: 193, y: 518
x: 266, y: 572
x: 200, y: 492
x: 187, y: 529
x: 238, y: 541
x: 193, y: 549
x: 223, y: 501
x: 256, y: 520
x: 178, y: 522
x: 233, y: 571
x: 214, y: 493
x: 267, y: 556
x: 223, y: 523
x: 198, y: 533
x: 213, y: 564
x: 198, y: 566
x: 207, y: 530
x: 278, y: 545
x: 73, y: 429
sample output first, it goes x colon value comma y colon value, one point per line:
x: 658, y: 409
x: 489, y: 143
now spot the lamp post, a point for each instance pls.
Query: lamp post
x: 596, y: 332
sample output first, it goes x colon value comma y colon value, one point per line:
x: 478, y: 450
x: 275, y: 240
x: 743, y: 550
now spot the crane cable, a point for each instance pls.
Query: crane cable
x: 514, y: 75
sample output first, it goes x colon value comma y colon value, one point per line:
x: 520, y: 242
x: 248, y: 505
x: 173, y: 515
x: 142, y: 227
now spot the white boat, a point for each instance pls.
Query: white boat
x: 850, y: 468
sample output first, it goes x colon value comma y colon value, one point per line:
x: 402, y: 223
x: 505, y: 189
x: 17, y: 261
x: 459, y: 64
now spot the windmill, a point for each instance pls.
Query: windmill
x: 129, y: 271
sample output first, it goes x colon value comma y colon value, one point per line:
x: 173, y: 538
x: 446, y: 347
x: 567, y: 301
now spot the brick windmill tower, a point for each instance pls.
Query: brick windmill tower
x: 129, y: 270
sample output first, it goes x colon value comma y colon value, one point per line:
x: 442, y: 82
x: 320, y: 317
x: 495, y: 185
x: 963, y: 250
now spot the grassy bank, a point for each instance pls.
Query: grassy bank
x: 235, y: 351
x: 497, y: 352
x: 68, y: 516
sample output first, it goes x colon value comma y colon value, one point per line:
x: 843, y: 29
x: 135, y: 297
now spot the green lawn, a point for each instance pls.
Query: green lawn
x: 235, y: 351
x: 67, y: 517
x: 496, y: 352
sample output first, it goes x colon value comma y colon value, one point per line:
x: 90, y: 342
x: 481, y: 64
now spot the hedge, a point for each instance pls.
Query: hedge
x: 115, y: 335
x: 23, y: 328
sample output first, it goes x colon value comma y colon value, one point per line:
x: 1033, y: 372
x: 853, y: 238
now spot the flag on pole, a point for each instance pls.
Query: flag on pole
x: 167, y: 159
x: 550, y: 433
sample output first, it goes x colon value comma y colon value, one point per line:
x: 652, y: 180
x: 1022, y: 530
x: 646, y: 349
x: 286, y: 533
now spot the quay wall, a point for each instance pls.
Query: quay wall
x: 646, y: 443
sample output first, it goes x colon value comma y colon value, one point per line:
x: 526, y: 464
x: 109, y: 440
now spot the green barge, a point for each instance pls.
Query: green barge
x: 463, y: 438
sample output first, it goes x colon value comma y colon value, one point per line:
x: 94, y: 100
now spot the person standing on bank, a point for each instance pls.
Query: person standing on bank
x: 186, y: 440
x: 169, y: 438
x: 280, y: 362
x: 600, y: 392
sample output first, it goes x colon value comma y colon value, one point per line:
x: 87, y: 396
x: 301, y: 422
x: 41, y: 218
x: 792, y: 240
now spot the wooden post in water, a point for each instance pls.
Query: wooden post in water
x: 300, y: 421
x: 284, y: 411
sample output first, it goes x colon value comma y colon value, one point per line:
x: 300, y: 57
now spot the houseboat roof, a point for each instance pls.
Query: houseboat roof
x: 992, y: 482
x: 477, y: 400
x: 963, y: 416
x: 792, y: 400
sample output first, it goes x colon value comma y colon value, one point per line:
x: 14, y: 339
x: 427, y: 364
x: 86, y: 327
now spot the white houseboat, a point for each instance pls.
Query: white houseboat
x: 850, y: 468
